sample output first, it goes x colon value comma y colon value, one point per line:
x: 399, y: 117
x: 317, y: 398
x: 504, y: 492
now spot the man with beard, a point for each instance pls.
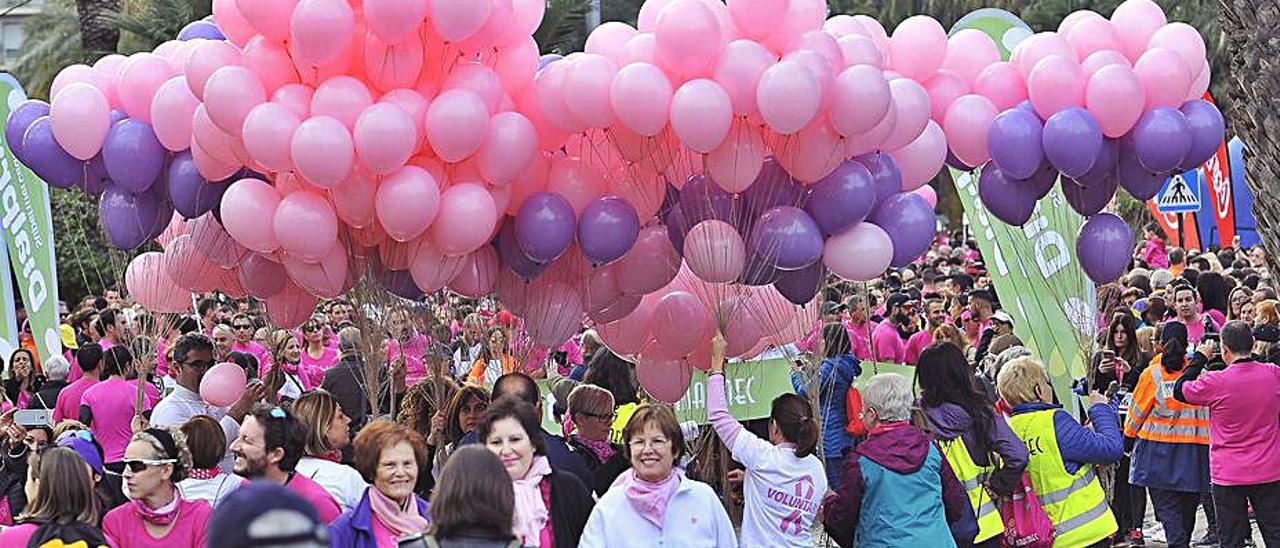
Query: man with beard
x: 935, y: 315
x: 268, y: 447
x: 889, y: 341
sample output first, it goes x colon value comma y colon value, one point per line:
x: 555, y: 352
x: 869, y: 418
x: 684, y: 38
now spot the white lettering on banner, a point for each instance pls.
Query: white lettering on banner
x: 739, y: 391
x: 14, y: 221
x: 968, y: 182
x: 1221, y: 186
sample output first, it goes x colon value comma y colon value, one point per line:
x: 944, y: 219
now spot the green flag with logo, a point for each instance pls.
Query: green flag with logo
x: 1034, y: 268
x: 8, y: 312
x: 28, y: 233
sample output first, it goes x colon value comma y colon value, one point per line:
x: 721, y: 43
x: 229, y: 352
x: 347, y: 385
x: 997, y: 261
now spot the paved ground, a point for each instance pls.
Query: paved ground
x: 1201, y: 527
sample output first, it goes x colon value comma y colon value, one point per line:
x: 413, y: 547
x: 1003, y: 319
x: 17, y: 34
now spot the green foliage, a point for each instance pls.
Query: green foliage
x: 86, y: 261
x: 149, y: 23
x: 52, y: 42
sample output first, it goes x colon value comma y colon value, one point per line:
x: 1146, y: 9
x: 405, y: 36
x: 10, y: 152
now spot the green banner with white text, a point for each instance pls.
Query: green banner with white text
x: 28, y: 233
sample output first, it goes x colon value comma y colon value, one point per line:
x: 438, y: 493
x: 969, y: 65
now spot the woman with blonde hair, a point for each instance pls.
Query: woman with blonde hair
x: 952, y: 334
x: 1266, y: 313
x: 285, y: 376
x: 156, y: 460
x: 328, y: 432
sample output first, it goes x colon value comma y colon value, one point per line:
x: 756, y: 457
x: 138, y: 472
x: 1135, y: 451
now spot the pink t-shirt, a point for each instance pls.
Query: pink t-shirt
x: 112, y: 404
x: 887, y: 344
x: 414, y: 350
x: 126, y: 528
x: 314, y: 494
x: 1244, y: 416
x: 919, y: 341
x: 76, y: 373
x: 162, y: 362
x: 1195, y: 329
x: 68, y: 406
x: 18, y: 535
x: 316, y: 367
x: 258, y: 351
x: 859, y: 339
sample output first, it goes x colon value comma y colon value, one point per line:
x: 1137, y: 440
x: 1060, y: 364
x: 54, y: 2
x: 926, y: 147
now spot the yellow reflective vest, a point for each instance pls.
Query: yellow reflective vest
x: 974, y: 479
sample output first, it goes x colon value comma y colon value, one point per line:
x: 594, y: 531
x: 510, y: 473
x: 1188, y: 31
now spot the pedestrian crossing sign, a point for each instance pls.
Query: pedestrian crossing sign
x: 1180, y: 193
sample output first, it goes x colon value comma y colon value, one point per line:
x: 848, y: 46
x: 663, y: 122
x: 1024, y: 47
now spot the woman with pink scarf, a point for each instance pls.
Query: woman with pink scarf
x: 157, y: 515
x: 653, y: 504
x: 587, y: 429
x: 551, y: 507
x: 391, y: 458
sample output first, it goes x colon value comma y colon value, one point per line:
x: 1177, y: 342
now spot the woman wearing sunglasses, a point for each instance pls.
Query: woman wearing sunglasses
x: 317, y: 355
x: 157, y: 516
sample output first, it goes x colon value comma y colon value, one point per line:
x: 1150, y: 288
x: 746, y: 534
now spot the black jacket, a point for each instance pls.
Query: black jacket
x: 603, y: 473
x: 346, y: 381
x: 47, y: 396
x: 571, y: 505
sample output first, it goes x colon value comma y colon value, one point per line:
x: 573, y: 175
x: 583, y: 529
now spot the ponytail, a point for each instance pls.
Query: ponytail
x: 795, y: 420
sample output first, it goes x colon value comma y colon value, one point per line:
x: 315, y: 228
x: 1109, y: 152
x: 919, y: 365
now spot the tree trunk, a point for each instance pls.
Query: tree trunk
x: 96, y: 34
x: 1253, y: 33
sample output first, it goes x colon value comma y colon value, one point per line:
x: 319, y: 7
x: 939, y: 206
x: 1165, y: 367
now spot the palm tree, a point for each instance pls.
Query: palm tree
x: 96, y: 32
x: 564, y: 26
x: 53, y: 42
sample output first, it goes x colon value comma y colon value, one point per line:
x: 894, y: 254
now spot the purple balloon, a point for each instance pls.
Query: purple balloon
x: 1207, y: 131
x: 670, y: 199
x: 398, y: 282
x: 134, y: 157
x: 1071, y: 140
x: 1104, y: 246
x: 19, y: 120
x: 130, y: 219
x: 1042, y: 182
x: 1161, y: 138
x: 96, y: 179
x: 759, y: 270
x: 1093, y: 198
x: 1104, y: 165
x: 47, y: 159
x: 787, y: 237
x: 201, y: 29
x: 607, y: 230
x: 773, y: 187
x: 512, y: 256
x: 545, y: 226
x: 1010, y: 200
x: 841, y: 199
x: 1136, y: 178
x: 191, y: 194
x: 702, y: 199
x: 1014, y: 143
x: 1027, y: 106
x: 885, y: 174
x: 911, y: 225
x: 676, y: 229
x: 800, y: 286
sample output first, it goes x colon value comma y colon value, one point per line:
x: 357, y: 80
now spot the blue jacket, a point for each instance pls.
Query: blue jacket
x: 835, y: 376
x: 354, y: 529
x: 1079, y: 445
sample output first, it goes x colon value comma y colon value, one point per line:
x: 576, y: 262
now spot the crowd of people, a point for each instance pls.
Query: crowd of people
x: 378, y: 428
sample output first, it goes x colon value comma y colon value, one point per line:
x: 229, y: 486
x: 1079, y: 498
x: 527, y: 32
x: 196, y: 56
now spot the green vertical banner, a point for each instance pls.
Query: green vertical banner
x: 8, y: 308
x: 1034, y: 268
x: 28, y: 232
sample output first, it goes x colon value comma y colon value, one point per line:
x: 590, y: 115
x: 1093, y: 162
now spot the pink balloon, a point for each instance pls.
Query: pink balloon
x: 1164, y: 76
x: 575, y: 180
x: 802, y: 16
x: 213, y: 140
x: 432, y: 270
x: 467, y: 219
x: 1115, y: 98
x: 715, y: 251
x: 407, y: 202
x: 824, y: 45
x: 819, y: 68
x: 517, y: 65
x: 326, y: 278
x: 479, y: 273
x: 701, y: 114
x: 861, y: 99
x: 305, y: 225
x: 223, y: 384
x: 610, y: 39
x: 641, y: 97
x: 321, y: 30
x: 844, y: 25
x: 756, y: 19
x: 857, y: 145
x: 1092, y: 35
x: 481, y: 80
x: 212, y: 169
x: 860, y: 50
x: 81, y: 117
x: 108, y: 71
x: 1137, y: 21
x: 271, y: 62
x: 813, y: 153
x: 532, y: 181
x: 393, y: 20
x: 1055, y: 84
x: 969, y: 52
x: 641, y: 48
x: 1074, y: 18
x: 651, y: 263
x: 150, y: 286
x: 392, y: 65
x: 943, y: 88
x: 600, y: 289
x: 385, y: 138
x: 269, y: 17
x: 456, y: 124
x: 187, y: 267
x: 230, y: 94
x: 1184, y: 40
x: 343, y: 98
x: 1201, y: 83
x: 1103, y: 58
x: 208, y: 57
x: 921, y: 159
x: 77, y: 74
x: 918, y: 46
x: 177, y: 227
x: 588, y: 83
x: 680, y: 322
x: 929, y: 194
x: 140, y: 77
x: 966, y: 126
x: 788, y: 96
x: 232, y: 23
x: 291, y: 307
x: 1002, y: 83
x: 457, y: 21
x: 213, y: 241
x: 553, y: 314
x: 354, y: 199
x: 861, y: 253
x: 323, y: 151
x: 628, y: 335
x: 911, y: 102
x: 1039, y: 47
x: 736, y: 163
x: 248, y: 213
x: 664, y: 378
x: 262, y: 277
x: 688, y: 37
x: 171, y: 113
x: 739, y: 69
x: 268, y: 135
x: 510, y: 144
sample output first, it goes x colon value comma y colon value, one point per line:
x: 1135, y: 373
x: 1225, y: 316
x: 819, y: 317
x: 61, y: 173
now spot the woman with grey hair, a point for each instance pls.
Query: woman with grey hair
x: 897, y: 488
x: 56, y: 370
x: 587, y: 426
x: 155, y: 460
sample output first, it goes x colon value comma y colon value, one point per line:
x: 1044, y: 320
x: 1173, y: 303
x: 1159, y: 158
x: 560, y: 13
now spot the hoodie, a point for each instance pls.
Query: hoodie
x: 950, y: 421
x: 899, y: 490
x: 835, y: 376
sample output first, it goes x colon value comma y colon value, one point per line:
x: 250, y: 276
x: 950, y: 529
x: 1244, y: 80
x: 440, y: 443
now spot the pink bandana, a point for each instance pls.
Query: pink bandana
x: 602, y: 448
x: 650, y: 499
x: 162, y: 516
x: 204, y: 473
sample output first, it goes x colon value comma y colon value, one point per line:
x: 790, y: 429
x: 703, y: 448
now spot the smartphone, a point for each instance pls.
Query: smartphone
x: 1108, y: 355
x: 33, y: 417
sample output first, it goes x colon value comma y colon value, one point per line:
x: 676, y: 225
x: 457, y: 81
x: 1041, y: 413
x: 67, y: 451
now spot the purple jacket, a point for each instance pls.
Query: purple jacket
x: 950, y: 421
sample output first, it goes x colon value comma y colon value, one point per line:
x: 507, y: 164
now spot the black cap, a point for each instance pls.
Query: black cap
x: 265, y: 514
x: 895, y: 300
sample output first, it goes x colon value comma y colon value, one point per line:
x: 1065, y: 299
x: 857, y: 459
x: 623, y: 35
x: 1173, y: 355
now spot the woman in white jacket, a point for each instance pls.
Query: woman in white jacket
x: 653, y: 504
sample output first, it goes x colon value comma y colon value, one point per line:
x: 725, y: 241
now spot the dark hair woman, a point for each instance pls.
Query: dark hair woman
x: 463, y: 413
x: 773, y: 465
x: 60, y: 489
x: 968, y: 431
x: 1120, y: 352
x: 473, y: 502
x: 835, y: 376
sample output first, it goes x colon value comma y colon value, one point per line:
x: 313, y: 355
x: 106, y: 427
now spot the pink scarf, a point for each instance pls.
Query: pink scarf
x: 531, y: 513
x: 162, y: 516
x: 401, y: 519
x: 204, y: 473
x: 650, y: 499
x: 602, y: 448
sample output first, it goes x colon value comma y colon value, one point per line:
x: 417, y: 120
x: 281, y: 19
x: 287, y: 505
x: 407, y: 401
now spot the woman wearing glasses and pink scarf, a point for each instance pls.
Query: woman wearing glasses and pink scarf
x: 157, y: 516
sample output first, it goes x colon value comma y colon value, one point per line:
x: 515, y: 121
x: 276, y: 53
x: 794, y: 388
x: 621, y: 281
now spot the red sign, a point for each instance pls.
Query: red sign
x: 1169, y: 222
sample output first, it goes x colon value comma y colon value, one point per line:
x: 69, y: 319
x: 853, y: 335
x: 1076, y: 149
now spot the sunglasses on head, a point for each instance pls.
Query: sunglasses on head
x: 140, y: 465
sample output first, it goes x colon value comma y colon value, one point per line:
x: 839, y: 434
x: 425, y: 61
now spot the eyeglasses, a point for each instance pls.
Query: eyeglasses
x: 140, y: 465
x: 656, y: 443
x: 242, y: 327
x: 310, y: 328
x: 605, y: 418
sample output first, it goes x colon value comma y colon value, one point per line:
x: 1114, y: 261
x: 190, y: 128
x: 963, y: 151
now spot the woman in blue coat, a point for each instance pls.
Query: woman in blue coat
x: 391, y: 458
x: 835, y: 376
